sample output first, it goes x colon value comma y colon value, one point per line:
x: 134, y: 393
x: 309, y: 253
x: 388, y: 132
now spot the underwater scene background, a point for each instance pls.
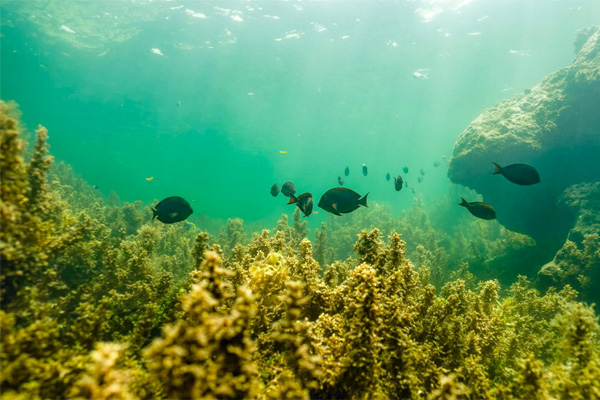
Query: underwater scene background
x: 109, y: 108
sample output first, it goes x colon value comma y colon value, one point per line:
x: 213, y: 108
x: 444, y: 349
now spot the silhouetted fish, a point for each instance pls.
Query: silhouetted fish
x: 275, y: 190
x: 340, y: 180
x: 304, y: 202
x: 398, y: 183
x: 288, y: 189
x: 479, y: 209
x: 436, y: 164
x: 95, y: 187
x: 422, y: 172
x: 405, y: 169
x: 387, y: 176
x: 365, y: 170
x: 521, y: 174
x: 341, y: 200
x: 347, y: 171
x: 420, y: 179
x: 172, y: 209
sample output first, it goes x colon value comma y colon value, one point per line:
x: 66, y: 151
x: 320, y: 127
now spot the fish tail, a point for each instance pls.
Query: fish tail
x: 497, y: 169
x: 363, y: 200
x: 464, y: 203
x: 293, y: 200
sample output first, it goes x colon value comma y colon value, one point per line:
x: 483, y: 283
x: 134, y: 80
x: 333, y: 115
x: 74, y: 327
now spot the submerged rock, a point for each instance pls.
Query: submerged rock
x: 554, y: 127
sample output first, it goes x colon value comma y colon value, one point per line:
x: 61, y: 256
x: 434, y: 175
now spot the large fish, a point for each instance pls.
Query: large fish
x: 479, y: 209
x: 341, y: 200
x: 304, y: 202
x: 274, y: 190
x: 288, y: 189
x: 521, y: 174
x: 398, y: 183
x: 171, y: 210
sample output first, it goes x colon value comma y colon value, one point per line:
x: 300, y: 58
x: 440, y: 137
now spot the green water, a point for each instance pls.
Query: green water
x: 329, y: 82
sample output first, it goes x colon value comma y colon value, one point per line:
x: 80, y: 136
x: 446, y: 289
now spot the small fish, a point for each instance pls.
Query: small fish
x: 274, y: 190
x: 398, y: 183
x: 341, y: 200
x: 405, y: 169
x: 157, y: 52
x: 387, y: 176
x: 436, y: 164
x: 347, y: 171
x: 282, y: 152
x: 479, y: 209
x: 95, y: 187
x: 365, y: 170
x: 420, y: 179
x: 521, y: 174
x: 178, y: 103
x: 149, y: 179
x: 288, y: 189
x: 171, y: 210
x: 340, y: 181
x: 413, y: 190
x: 304, y: 202
x: 422, y: 172
x: 419, y: 75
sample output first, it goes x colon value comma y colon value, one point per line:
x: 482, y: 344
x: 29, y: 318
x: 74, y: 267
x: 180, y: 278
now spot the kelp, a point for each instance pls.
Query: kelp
x: 100, y: 302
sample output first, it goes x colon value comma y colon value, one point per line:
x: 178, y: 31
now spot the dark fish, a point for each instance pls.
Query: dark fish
x: 365, y: 170
x: 387, y: 176
x: 340, y: 180
x: 304, y: 202
x: 341, y: 200
x: 436, y: 164
x: 95, y: 187
x: 420, y: 179
x: 398, y: 183
x: 405, y: 169
x: 413, y: 190
x: 347, y: 171
x: 288, y: 189
x: 171, y: 210
x: 479, y: 209
x: 521, y: 174
x: 422, y: 172
x: 274, y: 190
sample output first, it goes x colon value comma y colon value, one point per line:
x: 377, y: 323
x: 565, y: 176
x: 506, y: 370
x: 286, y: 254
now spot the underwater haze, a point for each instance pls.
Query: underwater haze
x: 204, y: 96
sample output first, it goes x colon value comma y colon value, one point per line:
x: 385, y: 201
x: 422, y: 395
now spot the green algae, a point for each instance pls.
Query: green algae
x: 97, y: 302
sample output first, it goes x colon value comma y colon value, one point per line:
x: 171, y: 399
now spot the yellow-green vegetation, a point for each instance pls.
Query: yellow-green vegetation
x: 99, y: 302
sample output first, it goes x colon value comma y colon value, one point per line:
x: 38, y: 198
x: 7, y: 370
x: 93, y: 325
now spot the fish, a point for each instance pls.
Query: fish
x: 157, y: 52
x: 405, y: 169
x: 340, y: 180
x: 304, y: 202
x: 149, y: 179
x: 282, y: 152
x: 422, y: 172
x: 171, y: 210
x: 342, y: 200
x: 365, y: 170
x: 95, y: 187
x: 479, y: 209
x: 419, y: 75
x: 387, y: 176
x: 288, y: 189
x: 347, y: 171
x: 274, y: 190
x: 420, y: 179
x: 398, y: 183
x: 521, y: 174
x: 436, y: 164
x: 178, y: 103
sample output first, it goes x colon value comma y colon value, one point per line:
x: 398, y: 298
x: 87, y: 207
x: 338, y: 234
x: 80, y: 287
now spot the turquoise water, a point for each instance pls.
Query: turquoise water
x: 232, y: 84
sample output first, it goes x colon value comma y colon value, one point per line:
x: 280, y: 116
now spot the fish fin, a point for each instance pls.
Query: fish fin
x: 497, y: 169
x: 464, y: 203
x: 154, y: 214
x: 293, y: 200
x: 363, y: 200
